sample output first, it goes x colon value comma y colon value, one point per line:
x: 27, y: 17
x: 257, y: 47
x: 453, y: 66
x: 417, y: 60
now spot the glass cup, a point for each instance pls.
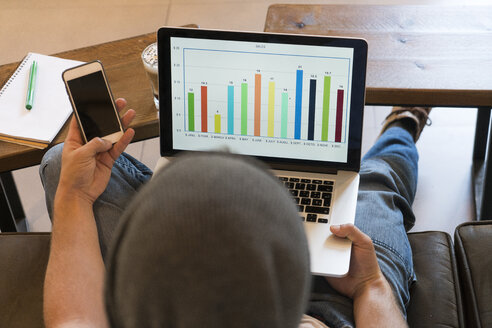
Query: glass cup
x: 149, y: 59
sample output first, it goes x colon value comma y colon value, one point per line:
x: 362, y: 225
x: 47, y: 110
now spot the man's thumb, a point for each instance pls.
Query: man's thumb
x: 97, y: 145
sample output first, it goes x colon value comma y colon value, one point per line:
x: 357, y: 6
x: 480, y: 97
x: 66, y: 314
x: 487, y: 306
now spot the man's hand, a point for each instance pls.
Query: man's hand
x: 364, y: 269
x: 86, y: 169
x: 73, y: 288
x: 374, y: 302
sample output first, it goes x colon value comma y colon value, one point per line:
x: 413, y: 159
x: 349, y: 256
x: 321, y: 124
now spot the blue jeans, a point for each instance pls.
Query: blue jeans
x: 388, y: 182
x: 387, y: 189
x: 127, y: 176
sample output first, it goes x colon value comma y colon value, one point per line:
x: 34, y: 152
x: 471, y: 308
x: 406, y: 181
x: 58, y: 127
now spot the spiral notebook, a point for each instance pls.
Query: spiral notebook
x: 51, y: 108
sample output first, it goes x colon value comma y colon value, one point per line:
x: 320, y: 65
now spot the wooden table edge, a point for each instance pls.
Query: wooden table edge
x: 428, y: 97
x: 29, y: 156
x: 399, y: 96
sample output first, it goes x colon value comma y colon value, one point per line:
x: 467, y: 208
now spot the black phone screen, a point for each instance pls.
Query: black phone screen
x: 94, y: 106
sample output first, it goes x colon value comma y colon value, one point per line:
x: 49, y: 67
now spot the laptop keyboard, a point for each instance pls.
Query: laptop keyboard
x: 312, y: 196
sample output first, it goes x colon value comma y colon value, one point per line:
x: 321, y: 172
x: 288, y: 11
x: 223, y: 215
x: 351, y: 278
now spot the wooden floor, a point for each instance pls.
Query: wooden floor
x: 444, y: 196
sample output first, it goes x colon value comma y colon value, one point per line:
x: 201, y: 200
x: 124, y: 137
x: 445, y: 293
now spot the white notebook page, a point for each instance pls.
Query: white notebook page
x: 51, y: 106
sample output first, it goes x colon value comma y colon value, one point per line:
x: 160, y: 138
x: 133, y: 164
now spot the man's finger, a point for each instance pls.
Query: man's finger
x: 96, y: 146
x: 351, y: 232
x: 128, y: 118
x: 129, y: 115
x: 74, y: 133
x: 120, y: 104
x: 121, y: 145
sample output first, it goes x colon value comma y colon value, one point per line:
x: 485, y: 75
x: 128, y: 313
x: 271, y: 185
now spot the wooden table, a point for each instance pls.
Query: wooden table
x: 127, y: 77
x: 418, y: 55
x: 121, y: 60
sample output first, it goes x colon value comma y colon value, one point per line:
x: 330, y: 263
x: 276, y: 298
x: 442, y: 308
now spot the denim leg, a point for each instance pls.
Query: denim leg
x: 388, y: 181
x: 127, y: 176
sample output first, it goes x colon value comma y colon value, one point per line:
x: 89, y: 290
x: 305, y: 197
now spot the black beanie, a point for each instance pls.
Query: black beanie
x: 213, y: 240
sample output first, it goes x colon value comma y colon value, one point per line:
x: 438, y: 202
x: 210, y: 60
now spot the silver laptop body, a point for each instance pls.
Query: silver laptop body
x: 293, y: 101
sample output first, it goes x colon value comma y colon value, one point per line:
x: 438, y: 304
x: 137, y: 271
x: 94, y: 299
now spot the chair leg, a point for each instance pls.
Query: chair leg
x: 12, y: 217
x: 482, y: 170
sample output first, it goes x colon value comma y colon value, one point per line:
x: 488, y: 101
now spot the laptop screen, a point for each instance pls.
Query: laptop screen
x: 262, y: 98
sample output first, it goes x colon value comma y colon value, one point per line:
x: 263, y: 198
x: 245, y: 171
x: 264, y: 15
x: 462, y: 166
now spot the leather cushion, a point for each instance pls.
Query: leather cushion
x: 435, y: 299
x: 23, y: 260
x: 473, y: 244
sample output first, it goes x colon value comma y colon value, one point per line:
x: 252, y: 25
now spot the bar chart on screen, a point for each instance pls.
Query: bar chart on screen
x: 266, y: 99
x: 260, y: 93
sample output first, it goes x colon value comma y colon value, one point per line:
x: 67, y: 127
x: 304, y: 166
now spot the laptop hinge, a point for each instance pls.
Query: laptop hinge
x: 303, y: 168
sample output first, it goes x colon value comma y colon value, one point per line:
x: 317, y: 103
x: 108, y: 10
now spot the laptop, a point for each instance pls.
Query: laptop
x: 293, y: 101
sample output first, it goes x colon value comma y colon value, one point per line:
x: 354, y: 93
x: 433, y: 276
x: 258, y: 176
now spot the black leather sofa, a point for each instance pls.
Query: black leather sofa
x: 454, y: 287
x: 473, y: 244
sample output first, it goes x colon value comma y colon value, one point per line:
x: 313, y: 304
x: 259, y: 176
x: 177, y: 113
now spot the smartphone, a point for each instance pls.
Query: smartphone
x: 92, y: 102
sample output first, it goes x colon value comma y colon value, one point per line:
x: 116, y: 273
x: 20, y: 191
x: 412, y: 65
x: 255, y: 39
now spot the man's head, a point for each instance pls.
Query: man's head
x: 212, y: 241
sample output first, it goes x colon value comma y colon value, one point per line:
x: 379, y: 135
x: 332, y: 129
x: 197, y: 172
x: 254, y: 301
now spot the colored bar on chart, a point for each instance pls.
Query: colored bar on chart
x: 257, y: 103
x: 271, y: 107
x: 191, y: 111
x: 312, y: 106
x: 283, y: 123
x: 204, y: 108
x: 338, y: 127
x: 298, y: 111
x: 244, y: 109
x: 230, y: 109
x: 217, y: 123
x: 325, y: 119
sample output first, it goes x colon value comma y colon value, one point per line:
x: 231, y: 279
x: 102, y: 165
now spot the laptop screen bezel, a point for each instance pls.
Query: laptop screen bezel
x: 164, y: 36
